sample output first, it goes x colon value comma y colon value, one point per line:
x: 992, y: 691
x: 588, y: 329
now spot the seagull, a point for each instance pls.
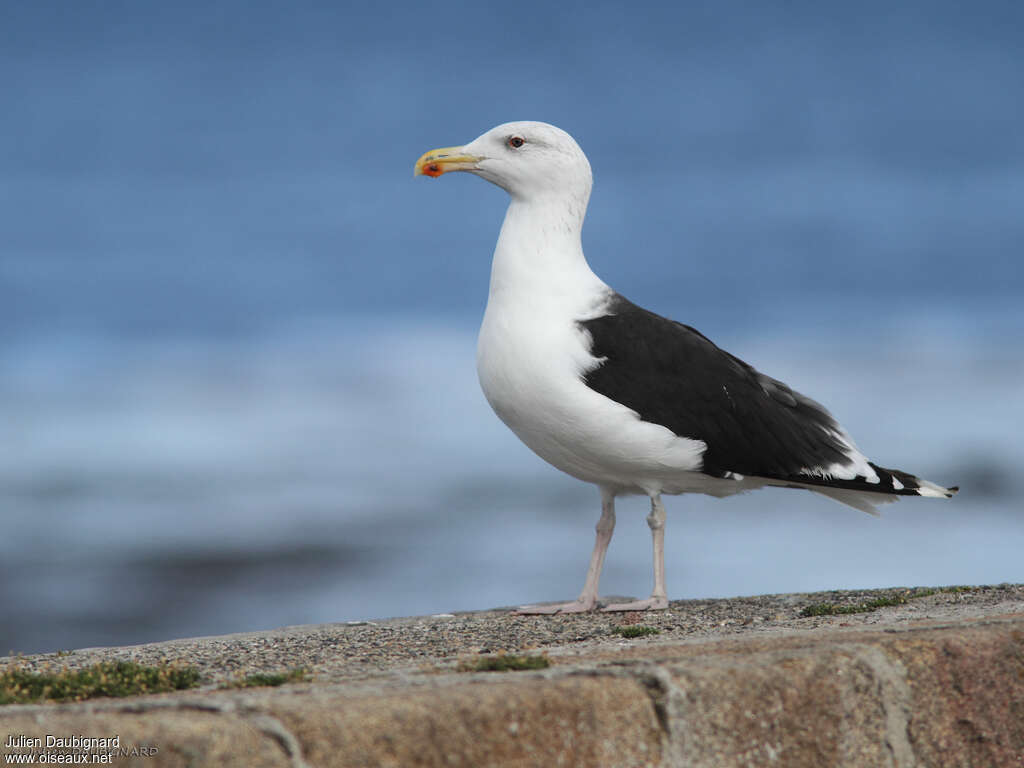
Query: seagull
x: 618, y: 396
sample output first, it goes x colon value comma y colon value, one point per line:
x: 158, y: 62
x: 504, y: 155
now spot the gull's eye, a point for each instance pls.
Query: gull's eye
x: 515, y: 141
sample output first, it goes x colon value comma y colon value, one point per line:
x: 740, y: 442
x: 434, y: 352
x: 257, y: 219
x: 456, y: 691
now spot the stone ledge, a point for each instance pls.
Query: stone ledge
x: 942, y: 688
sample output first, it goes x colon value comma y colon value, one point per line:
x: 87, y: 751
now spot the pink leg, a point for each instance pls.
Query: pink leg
x: 587, y: 600
x: 659, y: 598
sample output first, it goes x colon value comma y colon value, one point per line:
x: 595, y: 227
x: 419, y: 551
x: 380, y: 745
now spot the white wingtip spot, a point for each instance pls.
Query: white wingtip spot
x: 928, y: 488
x: 896, y: 484
x: 935, y: 493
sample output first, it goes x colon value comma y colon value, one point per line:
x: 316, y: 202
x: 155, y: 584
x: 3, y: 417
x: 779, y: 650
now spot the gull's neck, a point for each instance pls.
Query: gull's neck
x: 539, y: 251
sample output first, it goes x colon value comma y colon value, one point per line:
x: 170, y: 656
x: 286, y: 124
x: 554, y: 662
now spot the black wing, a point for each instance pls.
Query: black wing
x: 672, y: 375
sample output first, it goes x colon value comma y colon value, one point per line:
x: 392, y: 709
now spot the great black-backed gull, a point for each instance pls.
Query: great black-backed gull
x: 618, y: 396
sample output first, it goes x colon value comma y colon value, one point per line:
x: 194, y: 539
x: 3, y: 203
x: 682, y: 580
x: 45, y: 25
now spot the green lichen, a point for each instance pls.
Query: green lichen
x: 835, y: 609
x: 270, y: 679
x: 634, y: 630
x: 19, y: 685
x: 900, y: 598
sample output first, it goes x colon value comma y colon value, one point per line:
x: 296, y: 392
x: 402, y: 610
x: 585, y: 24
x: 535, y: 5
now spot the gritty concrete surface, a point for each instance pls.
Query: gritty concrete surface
x: 936, y: 680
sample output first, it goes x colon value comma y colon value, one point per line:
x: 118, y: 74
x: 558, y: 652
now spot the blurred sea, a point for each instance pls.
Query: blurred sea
x: 237, y: 379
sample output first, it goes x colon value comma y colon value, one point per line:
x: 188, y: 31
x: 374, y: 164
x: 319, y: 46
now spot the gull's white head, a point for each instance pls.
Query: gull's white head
x: 529, y: 160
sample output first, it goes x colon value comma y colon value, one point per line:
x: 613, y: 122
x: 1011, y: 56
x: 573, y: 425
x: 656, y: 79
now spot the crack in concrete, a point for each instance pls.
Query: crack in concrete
x: 142, y: 706
x: 276, y: 730
x: 666, y: 697
x: 896, y: 698
x: 669, y: 705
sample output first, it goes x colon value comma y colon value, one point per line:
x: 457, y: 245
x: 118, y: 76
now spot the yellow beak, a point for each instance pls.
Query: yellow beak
x: 438, y: 161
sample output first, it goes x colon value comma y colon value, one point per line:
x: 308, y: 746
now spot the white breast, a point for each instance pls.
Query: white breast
x: 531, y: 357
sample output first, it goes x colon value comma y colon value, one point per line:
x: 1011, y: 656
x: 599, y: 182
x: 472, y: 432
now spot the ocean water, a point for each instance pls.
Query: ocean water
x: 237, y: 380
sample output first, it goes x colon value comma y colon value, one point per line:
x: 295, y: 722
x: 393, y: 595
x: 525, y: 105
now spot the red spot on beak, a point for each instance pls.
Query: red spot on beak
x: 433, y: 169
